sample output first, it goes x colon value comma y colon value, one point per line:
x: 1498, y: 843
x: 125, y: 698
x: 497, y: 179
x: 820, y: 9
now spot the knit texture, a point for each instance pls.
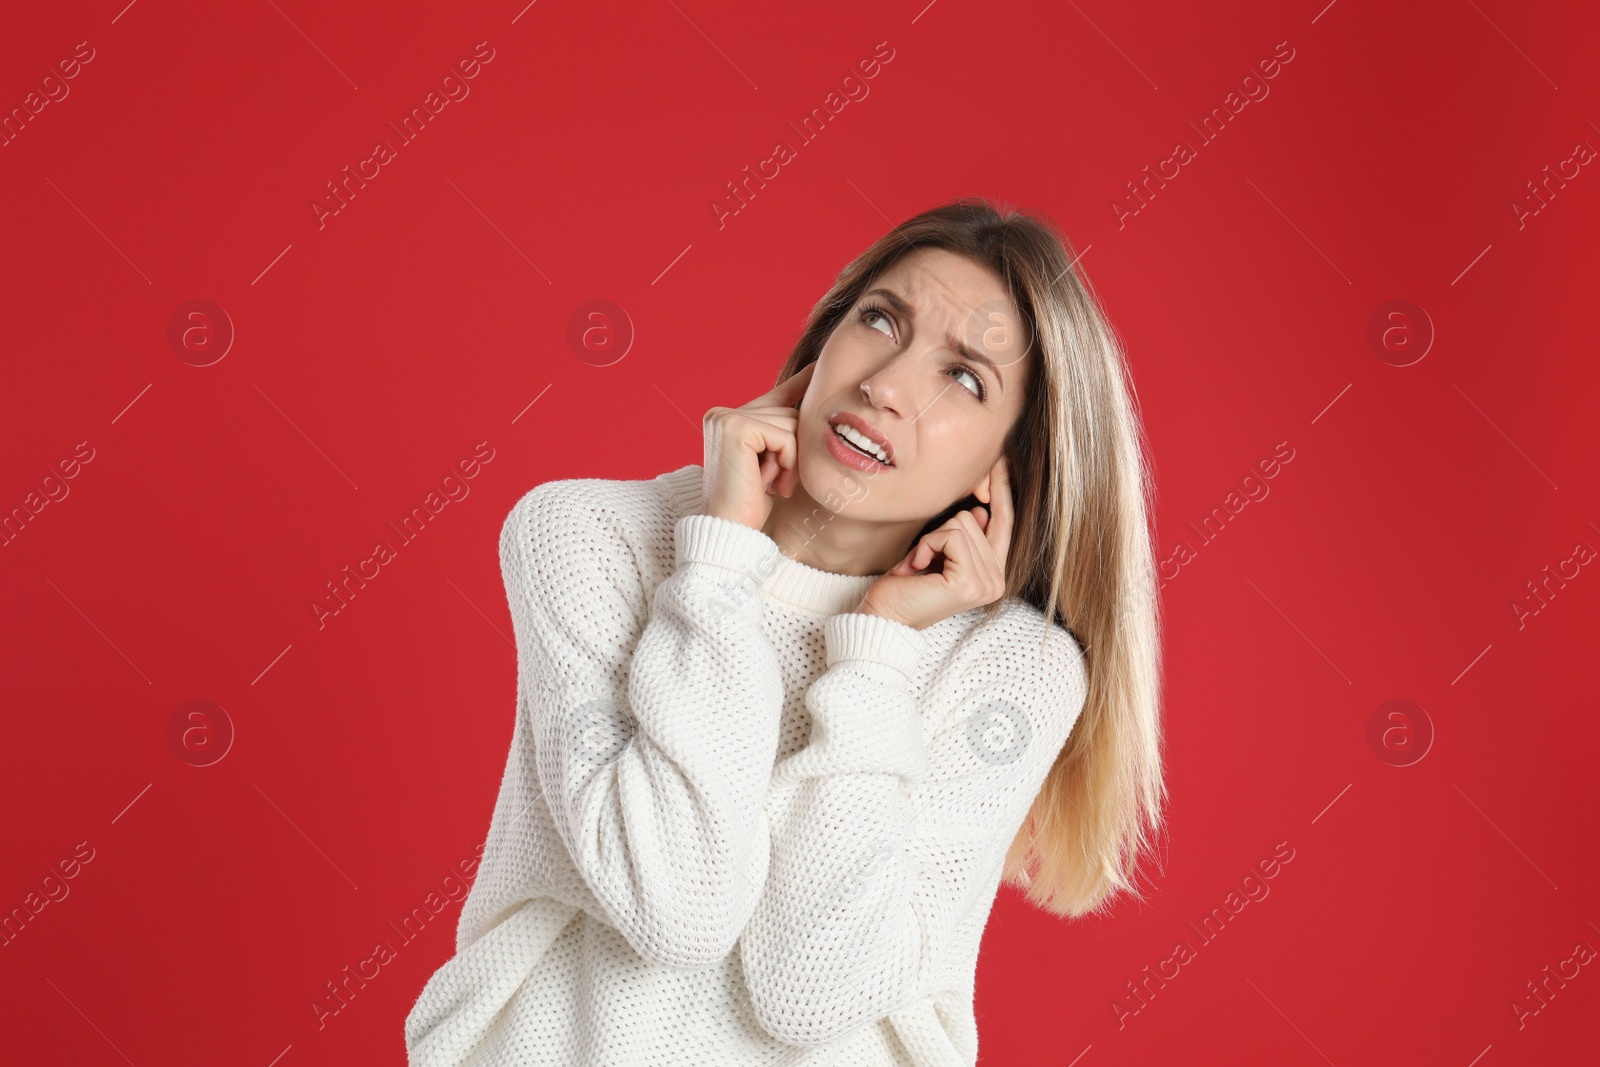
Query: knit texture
x: 740, y: 824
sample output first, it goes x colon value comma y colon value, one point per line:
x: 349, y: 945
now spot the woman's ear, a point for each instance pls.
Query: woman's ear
x: 983, y: 489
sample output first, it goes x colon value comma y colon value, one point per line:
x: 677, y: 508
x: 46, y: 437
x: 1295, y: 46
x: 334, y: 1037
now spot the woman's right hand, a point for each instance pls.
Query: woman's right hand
x: 751, y: 452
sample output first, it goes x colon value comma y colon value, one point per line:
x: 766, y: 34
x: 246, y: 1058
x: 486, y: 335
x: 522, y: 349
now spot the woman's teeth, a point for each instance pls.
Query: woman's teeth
x: 861, y: 443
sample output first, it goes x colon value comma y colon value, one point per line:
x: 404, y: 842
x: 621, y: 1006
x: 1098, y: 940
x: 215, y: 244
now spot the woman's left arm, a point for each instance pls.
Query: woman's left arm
x: 886, y: 840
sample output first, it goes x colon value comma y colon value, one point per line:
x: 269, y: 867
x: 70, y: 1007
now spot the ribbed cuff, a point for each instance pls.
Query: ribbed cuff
x: 727, y: 544
x: 848, y: 738
x: 874, y: 639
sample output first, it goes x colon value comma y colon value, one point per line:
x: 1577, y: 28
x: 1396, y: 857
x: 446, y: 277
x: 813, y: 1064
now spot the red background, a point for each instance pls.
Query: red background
x: 373, y: 353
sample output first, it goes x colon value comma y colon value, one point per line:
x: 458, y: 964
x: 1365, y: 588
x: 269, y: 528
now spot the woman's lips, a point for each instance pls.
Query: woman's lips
x: 850, y: 457
x: 865, y: 429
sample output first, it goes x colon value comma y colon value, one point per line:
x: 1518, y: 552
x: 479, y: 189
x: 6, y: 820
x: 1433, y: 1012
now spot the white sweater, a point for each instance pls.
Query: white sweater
x: 740, y: 823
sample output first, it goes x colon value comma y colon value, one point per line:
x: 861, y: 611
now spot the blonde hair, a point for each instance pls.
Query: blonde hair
x: 1081, y: 551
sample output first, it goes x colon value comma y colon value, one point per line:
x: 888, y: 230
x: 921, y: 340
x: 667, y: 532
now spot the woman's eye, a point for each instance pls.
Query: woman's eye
x: 869, y: 314
x: 977, y: 382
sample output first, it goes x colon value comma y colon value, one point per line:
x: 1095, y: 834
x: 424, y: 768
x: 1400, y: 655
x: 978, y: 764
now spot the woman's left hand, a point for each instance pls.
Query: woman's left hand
x: 971, y: 547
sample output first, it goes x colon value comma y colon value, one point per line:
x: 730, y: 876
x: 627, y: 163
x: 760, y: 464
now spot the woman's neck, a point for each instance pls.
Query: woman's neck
x: 833, y: 541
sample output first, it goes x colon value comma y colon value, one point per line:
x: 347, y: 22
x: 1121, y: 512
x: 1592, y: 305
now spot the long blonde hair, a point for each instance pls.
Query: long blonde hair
x: 1081, y: 552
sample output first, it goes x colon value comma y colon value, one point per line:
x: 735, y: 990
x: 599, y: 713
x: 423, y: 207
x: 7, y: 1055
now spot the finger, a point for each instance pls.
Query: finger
x: 755, y: 430
x: 923, y: 552
x: 780, y: 426
x: 771, y: 412
x: 776, y: 408
x: 949, y: 540
x: 739, y: 443
x: 762, y: 435
x: 789, y: 391
x: 912, y: 562
x: 786, y: 420
x: 1002, y: 513
x: 775, y: 422
x: 779, y: 410
x: 976, y: 560
x: 786, y: 471
x: 905, y: 566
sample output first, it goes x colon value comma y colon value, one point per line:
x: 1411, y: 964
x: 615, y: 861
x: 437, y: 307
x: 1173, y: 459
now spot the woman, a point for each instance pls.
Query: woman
x: 786, y: 719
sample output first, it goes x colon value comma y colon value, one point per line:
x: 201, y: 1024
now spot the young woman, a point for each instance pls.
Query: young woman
x: 786, y: 719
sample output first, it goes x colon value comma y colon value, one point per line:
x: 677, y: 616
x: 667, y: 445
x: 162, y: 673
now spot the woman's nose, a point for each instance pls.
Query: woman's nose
x: 894, y: 384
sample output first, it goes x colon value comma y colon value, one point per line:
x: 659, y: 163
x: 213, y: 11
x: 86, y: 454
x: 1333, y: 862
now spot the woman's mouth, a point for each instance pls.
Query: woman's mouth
x: 854, y: 450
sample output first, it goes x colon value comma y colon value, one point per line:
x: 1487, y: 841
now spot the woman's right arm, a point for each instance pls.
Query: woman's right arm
x: 653, y: 755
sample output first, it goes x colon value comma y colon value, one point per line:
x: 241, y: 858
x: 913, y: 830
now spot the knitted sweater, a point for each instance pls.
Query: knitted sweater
x: 740, y: 823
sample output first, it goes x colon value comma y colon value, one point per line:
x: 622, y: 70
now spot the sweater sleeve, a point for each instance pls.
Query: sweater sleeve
x: 653, y: 744
x: 890, y: 841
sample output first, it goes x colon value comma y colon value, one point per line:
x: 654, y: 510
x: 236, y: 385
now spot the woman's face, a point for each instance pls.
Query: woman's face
x: 931, y: 360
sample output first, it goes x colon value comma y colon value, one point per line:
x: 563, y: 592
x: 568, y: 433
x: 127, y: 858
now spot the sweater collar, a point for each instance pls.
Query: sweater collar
x: 790, y: 581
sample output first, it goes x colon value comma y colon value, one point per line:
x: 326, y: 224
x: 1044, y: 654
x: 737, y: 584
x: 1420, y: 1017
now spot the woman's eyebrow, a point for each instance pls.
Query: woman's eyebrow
x: 963, y: 349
